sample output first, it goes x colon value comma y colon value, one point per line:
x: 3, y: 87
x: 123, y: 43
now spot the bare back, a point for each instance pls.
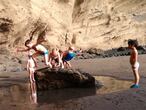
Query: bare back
x: 133, y: 56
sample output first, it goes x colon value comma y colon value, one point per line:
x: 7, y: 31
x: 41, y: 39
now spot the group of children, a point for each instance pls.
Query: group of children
x: 58, y: 58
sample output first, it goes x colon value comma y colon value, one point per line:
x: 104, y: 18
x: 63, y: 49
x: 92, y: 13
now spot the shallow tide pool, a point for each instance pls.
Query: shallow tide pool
x: 16, y: 94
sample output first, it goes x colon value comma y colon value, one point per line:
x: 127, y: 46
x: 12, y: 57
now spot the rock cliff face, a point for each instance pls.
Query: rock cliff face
x: 109, y: 23
x: 101, y: 24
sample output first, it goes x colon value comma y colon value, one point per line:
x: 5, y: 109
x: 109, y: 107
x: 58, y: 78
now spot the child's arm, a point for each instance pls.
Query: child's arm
x: 28, y: 65
x: 35, y: 62
x: 50, y: 59
x: 23, y: 50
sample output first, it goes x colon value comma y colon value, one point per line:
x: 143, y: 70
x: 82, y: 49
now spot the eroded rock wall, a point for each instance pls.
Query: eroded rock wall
x: 19, y: 17
x: 109, y: 23
x: 101, y: 24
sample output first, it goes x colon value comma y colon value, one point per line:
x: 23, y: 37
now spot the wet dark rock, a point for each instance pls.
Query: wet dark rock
x: 86, y: 55
x: 47, y: 78
x: 95, y: 51
x: 143, y: 52
x: 121, y: 49
x: 141, y: 48
x: 115, y: 52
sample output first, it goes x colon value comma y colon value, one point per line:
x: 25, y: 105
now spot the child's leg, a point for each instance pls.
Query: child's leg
x: 65, y: 64
x: 136, y: 76
x: 61, y: 63
x: 46, y: 58
x: 33, y: 92
x: 32, y: 85
x: 35, y: 55
x: 68, y: 64
x: 31, y: 75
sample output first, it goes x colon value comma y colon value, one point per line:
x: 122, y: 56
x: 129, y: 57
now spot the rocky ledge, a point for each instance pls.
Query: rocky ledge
x: 115, y: 52
x: 47, y: 78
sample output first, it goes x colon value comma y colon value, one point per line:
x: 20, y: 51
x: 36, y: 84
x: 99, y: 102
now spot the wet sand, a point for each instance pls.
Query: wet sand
x: 15, y: 93
x: 118, y: 67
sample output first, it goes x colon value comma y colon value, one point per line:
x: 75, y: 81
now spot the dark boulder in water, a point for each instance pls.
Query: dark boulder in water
x: 47, y: 78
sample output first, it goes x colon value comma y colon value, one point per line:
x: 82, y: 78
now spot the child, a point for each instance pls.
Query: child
x: 39, y: 50
x: 67, y: 56
x: 132, y: 44
x: 31, y: 66
x: 54, y: 58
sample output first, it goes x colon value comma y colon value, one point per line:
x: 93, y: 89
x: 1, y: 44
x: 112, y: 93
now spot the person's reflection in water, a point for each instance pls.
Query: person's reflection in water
x: 33, y: 96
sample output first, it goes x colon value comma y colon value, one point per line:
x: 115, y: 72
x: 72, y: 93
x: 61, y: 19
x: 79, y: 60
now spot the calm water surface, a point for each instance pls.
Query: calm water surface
x: 17, y: 94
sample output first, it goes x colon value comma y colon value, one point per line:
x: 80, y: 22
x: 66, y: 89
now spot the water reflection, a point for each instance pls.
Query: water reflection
x: 54, y: 96
x: 33, y: 95
x: 112, y: 84
x: 17, y: 95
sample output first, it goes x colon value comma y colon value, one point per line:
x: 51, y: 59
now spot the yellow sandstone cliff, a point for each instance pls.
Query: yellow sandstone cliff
x: 101, y: 24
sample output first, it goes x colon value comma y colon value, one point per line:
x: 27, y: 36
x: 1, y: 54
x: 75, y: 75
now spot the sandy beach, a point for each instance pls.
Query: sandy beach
x: 118, y: 67
x: 80, y: 99
x: 102, y: 34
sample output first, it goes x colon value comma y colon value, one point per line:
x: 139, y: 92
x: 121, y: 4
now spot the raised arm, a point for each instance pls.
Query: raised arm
x: 23, y: 50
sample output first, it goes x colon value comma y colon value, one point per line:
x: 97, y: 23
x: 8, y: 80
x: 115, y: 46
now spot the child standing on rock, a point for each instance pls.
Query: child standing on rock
x: 31, y: 67
x: 132, y: 44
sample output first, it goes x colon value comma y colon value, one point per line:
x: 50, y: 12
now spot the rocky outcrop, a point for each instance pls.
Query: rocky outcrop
x: 10, y: 64
x: 97, y: 24
x: 84, y: 23
x: 107, y: 24
x: 19, y: 18
x: 115, y: 52
x: 63, y: 78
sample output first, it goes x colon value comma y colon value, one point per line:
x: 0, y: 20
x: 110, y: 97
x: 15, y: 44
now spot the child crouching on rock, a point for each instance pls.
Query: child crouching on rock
x: 55, y: 58
x: 132, y: 44
x: 67, y: 56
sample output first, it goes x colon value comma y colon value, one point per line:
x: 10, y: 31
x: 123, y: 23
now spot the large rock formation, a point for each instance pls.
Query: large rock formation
x: 19, y: 17
x: 63, y: 78
x: 101, y: 24
x: 108, y: 24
